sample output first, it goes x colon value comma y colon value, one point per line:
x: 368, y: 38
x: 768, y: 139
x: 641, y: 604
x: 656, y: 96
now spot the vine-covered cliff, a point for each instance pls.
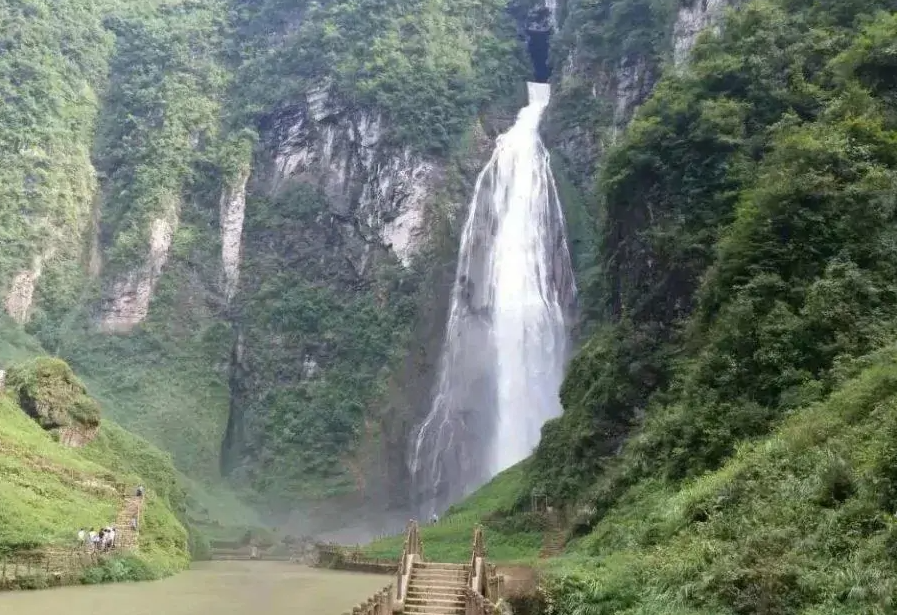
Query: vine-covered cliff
x: 238, y: 221
x: 237, y: 218
x: 727, y: 440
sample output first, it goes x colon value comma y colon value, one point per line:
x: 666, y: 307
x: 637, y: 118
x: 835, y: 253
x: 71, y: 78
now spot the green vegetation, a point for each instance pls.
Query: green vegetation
x: 48, y: 390
x: 352, y: 333
x: 52, y: 64
x: 428, y: 65
x: 727, y: 441
x: 49, y: 491
x: 125, y: 115
x: 799, y: 522
x: 512, y: 534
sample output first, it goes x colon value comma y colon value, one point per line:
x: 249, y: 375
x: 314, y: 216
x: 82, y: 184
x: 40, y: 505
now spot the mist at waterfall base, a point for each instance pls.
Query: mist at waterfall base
x: 505, y: 344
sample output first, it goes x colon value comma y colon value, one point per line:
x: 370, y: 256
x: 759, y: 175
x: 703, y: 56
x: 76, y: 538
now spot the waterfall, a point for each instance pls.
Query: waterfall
x: 506, y: 339
x: 552, y: 6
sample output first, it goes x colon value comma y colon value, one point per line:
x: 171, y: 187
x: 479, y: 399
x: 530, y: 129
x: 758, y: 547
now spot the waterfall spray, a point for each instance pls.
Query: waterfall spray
x: 506, y: 340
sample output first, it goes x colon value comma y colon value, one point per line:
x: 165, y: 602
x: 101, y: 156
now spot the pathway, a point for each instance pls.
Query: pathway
x: 126, y: 537
x: 555, y: 537
x: 437, y: 588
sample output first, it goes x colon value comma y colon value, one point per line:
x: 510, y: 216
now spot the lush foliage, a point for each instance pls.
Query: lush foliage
x: 160, y: 116
x: 50, y: 491
x: 48, y: 390
x: 512, y: 534
x: 799, y: 522
x: 52, y: 64
x: 428, y: 65
x: 745, y: 266
x: 317, y: 333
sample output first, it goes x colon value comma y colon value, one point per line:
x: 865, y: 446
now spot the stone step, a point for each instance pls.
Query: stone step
x: 435, y: 609
x: 456, y: 601
x: 436, y: 572
x: 438, y: 566
x: 449, y: 581
x: 418, y: 596
x: 436, y: 589
x: 435, y: 584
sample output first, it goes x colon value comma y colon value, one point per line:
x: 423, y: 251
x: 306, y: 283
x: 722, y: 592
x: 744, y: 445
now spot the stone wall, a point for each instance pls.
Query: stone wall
x: 338, y: 558
x: 45, y: 568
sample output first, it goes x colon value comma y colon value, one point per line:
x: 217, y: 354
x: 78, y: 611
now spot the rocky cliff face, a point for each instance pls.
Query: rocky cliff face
x: 692, y: 19
x: 128, y: 299
x: 607, y: 69
x: 287, y: 298
x: 345, y: 235
x: 376, y: 192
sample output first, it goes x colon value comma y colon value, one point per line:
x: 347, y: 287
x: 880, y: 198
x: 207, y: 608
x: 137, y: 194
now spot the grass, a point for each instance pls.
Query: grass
x: 50, y: 491
x: 151, y: 395
x: 799, y: 522
x: 495, y: 506
x: 44, y: 495
x: 159, y: 391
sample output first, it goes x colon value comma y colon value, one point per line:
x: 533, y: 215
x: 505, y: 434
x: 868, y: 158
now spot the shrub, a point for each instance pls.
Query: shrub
x: 48, y: 390
x: 116, y: 569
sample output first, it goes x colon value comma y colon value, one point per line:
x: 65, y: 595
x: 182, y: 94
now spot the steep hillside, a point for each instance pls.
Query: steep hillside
x: 53, y: 486
x: 236, y: 218
x: 725, y: 438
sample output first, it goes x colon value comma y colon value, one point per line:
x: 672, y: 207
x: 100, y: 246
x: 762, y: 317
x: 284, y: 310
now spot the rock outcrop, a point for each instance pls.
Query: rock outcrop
x: 231, y: 215
x: 691, y: 20
x: 50, y: 393
x: 376, y: 192
x: 609, y: 89
x: 127, y: 302
x: 20, y: 295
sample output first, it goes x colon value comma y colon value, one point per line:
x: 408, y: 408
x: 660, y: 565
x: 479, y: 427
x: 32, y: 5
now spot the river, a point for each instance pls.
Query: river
x: 217, y: 588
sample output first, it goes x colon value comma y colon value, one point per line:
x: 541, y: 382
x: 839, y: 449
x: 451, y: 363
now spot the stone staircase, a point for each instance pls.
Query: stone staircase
x: 437, y: 589
x: 126, y: 537
x: 430, y: 588
x: 555, y: 537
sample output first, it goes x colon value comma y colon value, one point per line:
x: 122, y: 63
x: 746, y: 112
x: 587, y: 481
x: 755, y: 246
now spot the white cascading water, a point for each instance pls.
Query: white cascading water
x: 506, y: 340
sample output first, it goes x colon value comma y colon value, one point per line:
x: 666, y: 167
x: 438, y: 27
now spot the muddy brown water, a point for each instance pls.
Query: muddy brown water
x: 213, y: 588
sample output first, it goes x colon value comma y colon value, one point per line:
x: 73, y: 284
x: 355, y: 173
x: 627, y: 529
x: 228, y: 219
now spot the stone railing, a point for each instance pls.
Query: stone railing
x: 476, y: 604
x: 380, y: 603
x: 477, y: 566
x: 485, y: 584
x: 413, y: 551
x: 495, y: 584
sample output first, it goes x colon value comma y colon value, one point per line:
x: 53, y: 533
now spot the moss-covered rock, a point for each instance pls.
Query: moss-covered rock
x: 47, y: 389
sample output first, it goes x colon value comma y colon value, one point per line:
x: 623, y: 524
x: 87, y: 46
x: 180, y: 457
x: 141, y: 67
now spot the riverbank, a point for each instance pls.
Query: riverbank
x: 223, y: 588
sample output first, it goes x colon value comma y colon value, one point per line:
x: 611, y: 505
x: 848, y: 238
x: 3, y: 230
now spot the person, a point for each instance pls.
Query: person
x: 82, y: 536
x: 140, y: 491
x: 94, y: 538
x: 434, y: 519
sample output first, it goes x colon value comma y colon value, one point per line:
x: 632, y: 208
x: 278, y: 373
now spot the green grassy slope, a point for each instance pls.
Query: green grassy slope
x: 49, y: 491
x: 799, y: 522
x: 210, y: 505
x: 511, y: 535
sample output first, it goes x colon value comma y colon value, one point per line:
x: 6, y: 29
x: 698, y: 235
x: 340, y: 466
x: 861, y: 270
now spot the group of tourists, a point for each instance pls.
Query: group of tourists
x: 104, y: 540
